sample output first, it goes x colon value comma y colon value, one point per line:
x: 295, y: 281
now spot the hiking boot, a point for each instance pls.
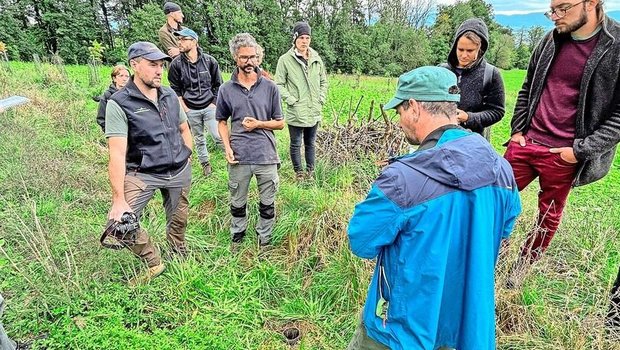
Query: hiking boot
x: 148, y: 275
x: 206, y: 169
x: 238, y: 237
x: 300, y: 176
x: 310, y: 175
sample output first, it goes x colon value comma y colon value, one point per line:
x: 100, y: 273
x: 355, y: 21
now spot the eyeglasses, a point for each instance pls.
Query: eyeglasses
x: 247, y: 58
x: 561, y: 12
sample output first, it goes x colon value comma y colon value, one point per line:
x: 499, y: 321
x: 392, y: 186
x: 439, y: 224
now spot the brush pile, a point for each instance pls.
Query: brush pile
x: 360, y: 138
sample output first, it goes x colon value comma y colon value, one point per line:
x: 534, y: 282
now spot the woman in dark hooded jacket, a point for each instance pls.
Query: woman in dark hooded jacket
x: 482, y: 89
x: 120, y: 76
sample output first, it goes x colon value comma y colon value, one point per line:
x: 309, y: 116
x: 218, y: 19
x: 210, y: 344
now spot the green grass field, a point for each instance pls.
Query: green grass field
x: 66, y: 292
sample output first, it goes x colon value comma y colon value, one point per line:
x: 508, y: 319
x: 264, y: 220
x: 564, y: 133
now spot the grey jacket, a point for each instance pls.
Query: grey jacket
x: 598, y: 118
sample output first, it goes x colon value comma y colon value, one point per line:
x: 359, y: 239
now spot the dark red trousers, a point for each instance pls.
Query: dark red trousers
x: 555, y: 177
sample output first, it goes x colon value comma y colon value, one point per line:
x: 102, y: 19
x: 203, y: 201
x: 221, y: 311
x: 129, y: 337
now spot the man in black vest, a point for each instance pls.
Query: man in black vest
x: 150, y: 145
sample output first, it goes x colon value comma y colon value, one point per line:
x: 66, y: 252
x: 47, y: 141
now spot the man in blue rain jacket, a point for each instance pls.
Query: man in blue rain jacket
x: 434, y: 219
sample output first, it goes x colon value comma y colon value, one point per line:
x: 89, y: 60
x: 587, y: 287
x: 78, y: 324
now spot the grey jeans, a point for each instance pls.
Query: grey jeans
x: 239, y: 176
x: 5, y: 342
x: 198, y: 121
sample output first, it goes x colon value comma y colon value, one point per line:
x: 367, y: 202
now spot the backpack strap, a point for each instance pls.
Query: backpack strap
x: 488, y: 75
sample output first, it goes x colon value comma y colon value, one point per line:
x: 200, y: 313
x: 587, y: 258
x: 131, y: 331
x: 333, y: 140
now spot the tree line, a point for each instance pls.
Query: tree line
x: 380, y: 37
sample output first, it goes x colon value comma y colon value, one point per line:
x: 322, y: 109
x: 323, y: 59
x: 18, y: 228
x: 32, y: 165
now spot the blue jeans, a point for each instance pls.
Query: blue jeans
x: 198, y: 121
x: 308, y: 135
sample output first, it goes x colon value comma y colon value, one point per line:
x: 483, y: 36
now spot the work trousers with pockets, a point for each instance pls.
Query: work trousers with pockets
x: 239, y: 182
x: 140, y: 188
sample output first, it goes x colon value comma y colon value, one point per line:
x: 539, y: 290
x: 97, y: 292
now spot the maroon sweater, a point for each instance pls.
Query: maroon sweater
x: 554, y: 121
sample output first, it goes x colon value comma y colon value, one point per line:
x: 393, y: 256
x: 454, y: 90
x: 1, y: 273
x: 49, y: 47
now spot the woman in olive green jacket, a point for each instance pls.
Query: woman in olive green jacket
x: 302, y: 80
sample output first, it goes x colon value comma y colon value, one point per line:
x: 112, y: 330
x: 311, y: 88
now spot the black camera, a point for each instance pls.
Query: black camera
x: 129, y: 223
x: 124, y: 232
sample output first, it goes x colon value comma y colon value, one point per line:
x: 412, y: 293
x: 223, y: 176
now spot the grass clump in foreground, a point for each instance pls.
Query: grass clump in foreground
x: 65, y: 292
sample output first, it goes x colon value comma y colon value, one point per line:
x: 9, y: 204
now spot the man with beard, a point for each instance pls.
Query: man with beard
x: 252, y: 103
x: 195, y: 77
x: 174, y: 19
x: 434, y: 219
x: 566, y: 122
x: 150, y: 145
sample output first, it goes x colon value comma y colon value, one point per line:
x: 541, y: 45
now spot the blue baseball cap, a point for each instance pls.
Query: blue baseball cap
x: 146, y: 50
x: 186, y: 32
x: 428, y: 83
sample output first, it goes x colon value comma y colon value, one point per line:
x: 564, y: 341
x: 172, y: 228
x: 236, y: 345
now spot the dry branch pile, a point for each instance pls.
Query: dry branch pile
x: 360, y: 137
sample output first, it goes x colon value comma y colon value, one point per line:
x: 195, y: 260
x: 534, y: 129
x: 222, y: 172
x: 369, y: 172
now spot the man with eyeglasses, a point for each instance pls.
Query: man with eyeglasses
x: 195, y: 77
x: 252, y: 103
x: 566, y: 122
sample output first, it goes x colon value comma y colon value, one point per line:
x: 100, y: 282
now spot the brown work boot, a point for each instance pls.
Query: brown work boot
x: 300, y: 176
x: 206, y: 169
x: 148, y: 275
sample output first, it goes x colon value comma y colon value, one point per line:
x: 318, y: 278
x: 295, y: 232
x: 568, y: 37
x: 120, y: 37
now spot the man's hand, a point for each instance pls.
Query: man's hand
x: 518, y: 138
x: 173, y: 51
x: 230, y: 156
x: 250, y: 123
x: 119, y: 208
x: 566, y: 153
x: 461, y: 116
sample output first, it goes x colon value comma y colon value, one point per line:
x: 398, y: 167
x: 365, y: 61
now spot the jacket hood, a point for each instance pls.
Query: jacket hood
x: 463, y: 165
x: 112, y: 89
x: 477, y: 26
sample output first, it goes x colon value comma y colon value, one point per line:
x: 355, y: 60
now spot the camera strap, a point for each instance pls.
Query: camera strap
x: 109, y: 231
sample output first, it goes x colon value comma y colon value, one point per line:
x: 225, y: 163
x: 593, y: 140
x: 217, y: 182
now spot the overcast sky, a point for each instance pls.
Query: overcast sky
x: 508, y: 7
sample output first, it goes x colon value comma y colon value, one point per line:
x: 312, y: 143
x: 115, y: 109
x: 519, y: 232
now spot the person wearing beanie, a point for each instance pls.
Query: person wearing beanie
x: 302, y: 80
x: 174, y: 18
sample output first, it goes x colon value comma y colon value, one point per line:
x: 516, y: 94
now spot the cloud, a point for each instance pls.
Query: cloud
x: 513, y: 7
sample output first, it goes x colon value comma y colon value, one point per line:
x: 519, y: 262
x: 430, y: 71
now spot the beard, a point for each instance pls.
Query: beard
x: 153, y: 83
x: 247, y: 68
x: 571, y: 27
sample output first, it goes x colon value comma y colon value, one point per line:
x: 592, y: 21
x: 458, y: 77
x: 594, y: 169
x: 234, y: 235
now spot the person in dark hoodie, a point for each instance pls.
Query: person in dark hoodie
x: 120, y: 76
x: 434, y: 220
x: 482, y: 89
x: 566, y: 122
x: 195, y: 77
